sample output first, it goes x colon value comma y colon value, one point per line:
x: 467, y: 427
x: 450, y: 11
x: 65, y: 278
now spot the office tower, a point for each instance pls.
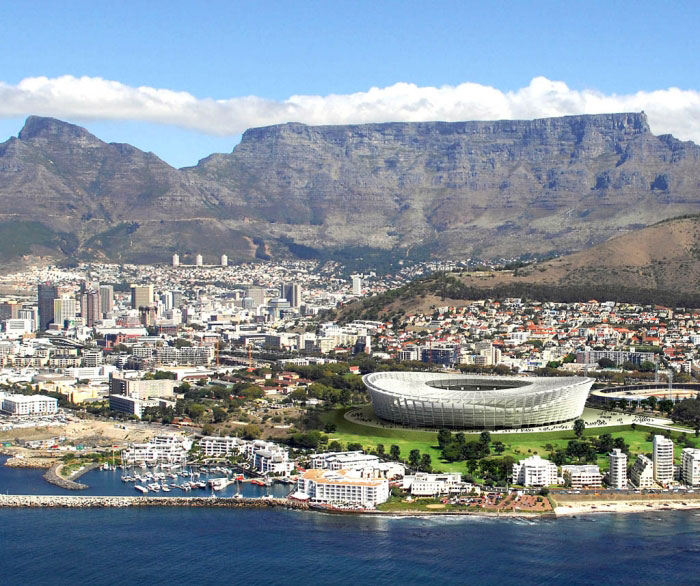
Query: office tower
x: 257, y: 294
x: 9, y: 310
x: 198, y: 260
x: 177, y: 298
x: 176, y: 260
x: 46, y: 294
x: 224, y: 260
x: 141, y: 296
x: 166, y: 300
x: 64, y: 310
x: 618, y: 469
x: 356, y: 285
x: 90, y: 307
x: 292, y: 293
x: 663, y: 459
x: 106, y: 298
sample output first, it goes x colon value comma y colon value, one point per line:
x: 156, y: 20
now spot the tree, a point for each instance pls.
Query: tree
x: 485, y: 438
x: 444, y: 437
x: 219, y: 414
x: 499, y: 447
x: 330, y: 427
x: 426, y: 464
x: 647, y: 366
x: 579, y: 426
x: 251, y: 432
x: 380, y: 450
x: 335, y: 446
x: 354, y: 447
x: 606, y: 363
x: 394, y: 452
x: 414, y: 458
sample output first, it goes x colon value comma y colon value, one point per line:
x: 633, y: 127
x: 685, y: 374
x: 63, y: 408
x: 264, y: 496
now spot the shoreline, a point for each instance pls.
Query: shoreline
x: 571, y: 509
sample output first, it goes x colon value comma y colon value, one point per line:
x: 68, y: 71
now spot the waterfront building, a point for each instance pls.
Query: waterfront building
x: 342, y: 487
x: 425, y: 484
x: 153, y: 453
x: 584, y: 476
x: 213, y: 446
x: 46, y: 295
x: 663, y: 460
x: 534, y: 471
x: 618, y: 469
x: 690, y: 467
x: 29, y: 405
x: 343, y: 460
x: 642, y: 473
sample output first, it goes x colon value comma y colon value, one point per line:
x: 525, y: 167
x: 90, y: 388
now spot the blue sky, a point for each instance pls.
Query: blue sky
x: 274, y: 50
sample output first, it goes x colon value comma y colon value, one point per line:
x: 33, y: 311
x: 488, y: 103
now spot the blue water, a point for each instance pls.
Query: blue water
x: 244, y: 546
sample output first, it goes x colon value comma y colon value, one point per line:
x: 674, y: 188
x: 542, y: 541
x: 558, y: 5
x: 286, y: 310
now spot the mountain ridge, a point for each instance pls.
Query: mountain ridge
x: 397, y: 190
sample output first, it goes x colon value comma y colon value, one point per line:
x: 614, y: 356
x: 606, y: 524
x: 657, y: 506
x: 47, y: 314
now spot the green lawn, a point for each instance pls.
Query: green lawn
x: 518, y: 445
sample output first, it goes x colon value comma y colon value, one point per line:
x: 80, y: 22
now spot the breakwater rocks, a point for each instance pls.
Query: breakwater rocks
x: 53, y: 475
x: 87, y: 502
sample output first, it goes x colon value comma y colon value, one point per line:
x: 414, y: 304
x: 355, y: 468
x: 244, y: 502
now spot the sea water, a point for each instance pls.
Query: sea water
x: 276, y: 546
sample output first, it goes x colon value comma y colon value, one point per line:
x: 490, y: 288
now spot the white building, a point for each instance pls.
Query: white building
x: 585, y: 476
x: 343, y: 460
x: 154, y: 452
x: 29, y: 405
x: 690, y: 467
x: 663, y: 460
x: 342, y: 487
x: 176, y: 260
x: 198, y: 260
x: 221, y: 446
x: 534, y: 471
x: 642, y: 473
x: 268, y: 457
x: 356, y: 285
x: 618, y: 469
x: 224, y: 260
x: 424, y: 484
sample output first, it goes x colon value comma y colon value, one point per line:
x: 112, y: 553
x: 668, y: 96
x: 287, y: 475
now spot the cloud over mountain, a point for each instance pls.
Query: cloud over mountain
x: 671, y: 110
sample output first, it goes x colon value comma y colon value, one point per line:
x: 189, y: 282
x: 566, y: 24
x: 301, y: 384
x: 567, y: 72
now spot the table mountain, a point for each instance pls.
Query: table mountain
x: 488, y: 189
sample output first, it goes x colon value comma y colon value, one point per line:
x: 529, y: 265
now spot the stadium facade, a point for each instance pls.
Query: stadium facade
x: 437, y: 400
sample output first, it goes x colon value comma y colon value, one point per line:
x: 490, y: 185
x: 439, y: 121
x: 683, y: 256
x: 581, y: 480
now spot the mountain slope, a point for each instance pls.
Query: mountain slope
x: 395, y: 190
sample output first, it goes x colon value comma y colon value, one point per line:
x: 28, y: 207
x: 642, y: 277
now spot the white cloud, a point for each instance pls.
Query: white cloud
x: 670, y: 110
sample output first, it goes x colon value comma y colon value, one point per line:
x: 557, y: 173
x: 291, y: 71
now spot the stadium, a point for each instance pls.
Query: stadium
x: 437, y: 400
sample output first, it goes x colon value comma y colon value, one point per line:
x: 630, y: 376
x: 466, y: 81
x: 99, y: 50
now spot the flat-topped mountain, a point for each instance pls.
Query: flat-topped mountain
x: 459, y: 189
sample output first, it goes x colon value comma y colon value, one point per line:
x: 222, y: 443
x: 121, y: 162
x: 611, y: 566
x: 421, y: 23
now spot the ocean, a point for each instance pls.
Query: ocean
x: 253, y: 546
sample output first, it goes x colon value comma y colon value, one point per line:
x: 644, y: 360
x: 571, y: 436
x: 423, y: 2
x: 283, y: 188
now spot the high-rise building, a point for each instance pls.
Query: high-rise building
x: 9, y: 310
x: 176, y: 260
x: 292, y: 293
x: 690, y: 467
x: 177, y: 298
x: 198, y: 260
x: 46, y: 295
x: 141, y: 296
x: 257, y: 294
x: 356, y: 285
x: 642, y: 472
x: 663, y: 459
x: 167, y: 300
x: 64, y: 310
x: 224, y: 260
x: 618, y: 469
x: 90, y: 307
x: 106, y: 299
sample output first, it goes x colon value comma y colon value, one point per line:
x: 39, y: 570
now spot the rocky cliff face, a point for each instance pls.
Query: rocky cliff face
x: 485, y: 189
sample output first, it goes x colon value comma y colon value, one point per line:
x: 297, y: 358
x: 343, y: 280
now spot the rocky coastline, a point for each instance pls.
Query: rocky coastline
x: 53, y: 475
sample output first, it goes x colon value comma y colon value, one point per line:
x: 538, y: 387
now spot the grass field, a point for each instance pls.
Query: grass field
x: 518, y: 445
